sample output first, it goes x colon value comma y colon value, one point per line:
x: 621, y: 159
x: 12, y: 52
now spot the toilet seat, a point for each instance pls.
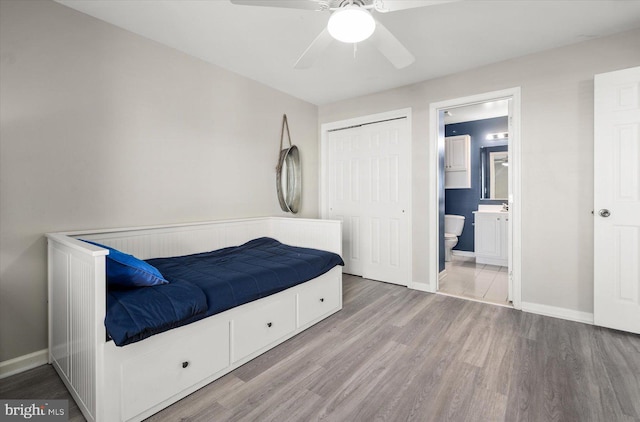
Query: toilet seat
x: 450, y: 236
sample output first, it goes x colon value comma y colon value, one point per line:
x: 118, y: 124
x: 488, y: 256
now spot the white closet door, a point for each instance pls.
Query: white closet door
x: 617, y: 200
x: 369, y: 171
x: 344, y: 195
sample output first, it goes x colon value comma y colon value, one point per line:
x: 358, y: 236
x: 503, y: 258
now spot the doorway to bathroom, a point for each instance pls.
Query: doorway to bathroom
x: 476, y: 208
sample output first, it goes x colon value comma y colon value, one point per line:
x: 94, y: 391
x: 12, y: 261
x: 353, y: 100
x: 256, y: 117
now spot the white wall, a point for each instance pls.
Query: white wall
x: 557, y: 157
x: 104, y: 128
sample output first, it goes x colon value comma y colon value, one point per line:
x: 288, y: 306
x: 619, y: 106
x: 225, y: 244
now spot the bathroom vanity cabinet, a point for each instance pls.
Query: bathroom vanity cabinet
x: 457, y: 162
x: 491, y: 236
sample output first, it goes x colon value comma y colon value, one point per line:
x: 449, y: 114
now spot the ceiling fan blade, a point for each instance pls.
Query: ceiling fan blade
x: 290, y: 4
x: 391, y: 48
x: 393, y: 5
x: 312, y: 53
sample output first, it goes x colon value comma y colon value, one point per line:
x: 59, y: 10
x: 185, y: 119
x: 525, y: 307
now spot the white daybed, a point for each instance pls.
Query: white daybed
x: 130, y: 383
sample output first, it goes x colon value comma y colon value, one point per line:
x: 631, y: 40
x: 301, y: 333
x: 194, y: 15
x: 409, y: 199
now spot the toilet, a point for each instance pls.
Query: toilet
x: 453, y: 225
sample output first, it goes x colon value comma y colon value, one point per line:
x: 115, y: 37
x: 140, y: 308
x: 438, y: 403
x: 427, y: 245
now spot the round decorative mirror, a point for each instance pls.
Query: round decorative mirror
x: 288, y: 179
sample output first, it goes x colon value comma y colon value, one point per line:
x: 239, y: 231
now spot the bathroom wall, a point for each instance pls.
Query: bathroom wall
x: 465, y: 201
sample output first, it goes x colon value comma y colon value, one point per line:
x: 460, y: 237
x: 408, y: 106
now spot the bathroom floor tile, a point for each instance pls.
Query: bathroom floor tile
x: 452, y: 285
x: 468, y: 264
x: 463, y: 272
x: 478, y: 286
x: 498, y: 291
x: 494, y: 268
x: 484, y: 282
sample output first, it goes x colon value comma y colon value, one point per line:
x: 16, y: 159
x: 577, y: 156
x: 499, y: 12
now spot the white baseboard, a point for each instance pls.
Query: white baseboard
x: 556, y: 312
x: 463, y: 253
x: 23, y: 363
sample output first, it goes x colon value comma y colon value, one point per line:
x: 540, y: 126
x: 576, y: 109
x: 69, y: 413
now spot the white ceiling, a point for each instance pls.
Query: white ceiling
x: 263, y: 43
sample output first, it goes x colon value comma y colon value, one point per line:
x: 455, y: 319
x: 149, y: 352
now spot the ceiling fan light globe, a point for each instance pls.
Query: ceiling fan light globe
x: 351, y: 24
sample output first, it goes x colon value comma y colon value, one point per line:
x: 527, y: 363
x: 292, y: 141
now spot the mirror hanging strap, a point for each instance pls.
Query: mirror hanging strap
x: 285, y: 123
x: 288, y: 185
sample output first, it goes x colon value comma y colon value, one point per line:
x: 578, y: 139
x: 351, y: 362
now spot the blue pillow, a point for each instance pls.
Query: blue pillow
x: 127, y: 271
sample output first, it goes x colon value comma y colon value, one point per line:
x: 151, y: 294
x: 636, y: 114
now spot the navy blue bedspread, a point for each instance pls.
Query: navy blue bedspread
x: 208, y: 283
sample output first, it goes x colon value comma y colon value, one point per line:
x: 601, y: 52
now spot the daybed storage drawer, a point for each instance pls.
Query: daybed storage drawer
x: 259, y: 325
x: 153, y: 377
x: 318, y: 297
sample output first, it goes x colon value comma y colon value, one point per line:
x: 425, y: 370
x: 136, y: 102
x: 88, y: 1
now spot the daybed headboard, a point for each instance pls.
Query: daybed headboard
x: 183, y: 239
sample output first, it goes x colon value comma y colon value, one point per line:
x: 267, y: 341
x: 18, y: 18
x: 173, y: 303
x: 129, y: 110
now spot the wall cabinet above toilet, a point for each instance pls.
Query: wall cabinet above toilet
x: 457, y: 162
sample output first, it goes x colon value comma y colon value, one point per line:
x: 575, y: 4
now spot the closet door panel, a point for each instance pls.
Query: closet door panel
x: 368, y: 189
x: 387, y: 208
x: 344, y: 194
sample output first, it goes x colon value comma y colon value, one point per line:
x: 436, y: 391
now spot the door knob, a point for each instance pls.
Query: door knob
x: 604, y: 213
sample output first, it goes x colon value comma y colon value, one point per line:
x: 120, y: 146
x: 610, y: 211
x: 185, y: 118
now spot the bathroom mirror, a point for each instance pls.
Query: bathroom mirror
x: 288, y: 179
x: 494, y: 172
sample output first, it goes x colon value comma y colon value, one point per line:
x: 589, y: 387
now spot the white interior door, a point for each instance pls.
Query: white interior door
x: 344, y: 196
x: 617, y: 200
x: 368, y: 189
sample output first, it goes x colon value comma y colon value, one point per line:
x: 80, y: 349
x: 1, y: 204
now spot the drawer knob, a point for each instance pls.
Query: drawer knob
x: 321, y: 299
x: 269, y: 324
x: 185, y: 364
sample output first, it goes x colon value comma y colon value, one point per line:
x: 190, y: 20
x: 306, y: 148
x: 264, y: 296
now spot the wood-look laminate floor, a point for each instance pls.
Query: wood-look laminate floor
x: 394, y: 354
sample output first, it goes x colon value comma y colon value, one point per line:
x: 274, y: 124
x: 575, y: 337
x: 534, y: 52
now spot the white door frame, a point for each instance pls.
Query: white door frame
x: 324, y: 153
x: 515, y: 201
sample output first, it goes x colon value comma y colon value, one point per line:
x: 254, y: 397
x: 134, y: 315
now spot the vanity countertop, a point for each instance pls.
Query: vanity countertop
x: 491, y: 209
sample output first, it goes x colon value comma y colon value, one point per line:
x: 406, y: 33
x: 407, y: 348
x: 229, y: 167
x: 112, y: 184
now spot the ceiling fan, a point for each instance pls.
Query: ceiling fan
x: 351, y: 21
